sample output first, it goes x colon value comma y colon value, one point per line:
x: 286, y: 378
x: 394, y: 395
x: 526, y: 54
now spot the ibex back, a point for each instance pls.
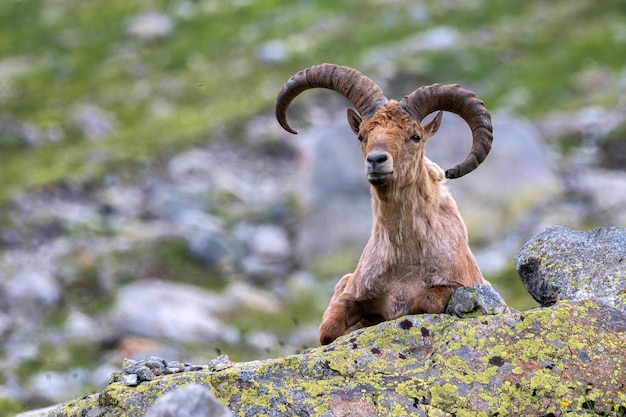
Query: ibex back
x: 418, y: 252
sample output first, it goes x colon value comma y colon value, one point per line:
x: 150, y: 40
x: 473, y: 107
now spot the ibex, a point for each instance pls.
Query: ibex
x: 418, y: 251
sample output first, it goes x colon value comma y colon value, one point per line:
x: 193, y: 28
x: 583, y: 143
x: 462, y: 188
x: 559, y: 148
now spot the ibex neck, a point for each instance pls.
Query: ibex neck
x: 396, y: 208
x: 405, y: 220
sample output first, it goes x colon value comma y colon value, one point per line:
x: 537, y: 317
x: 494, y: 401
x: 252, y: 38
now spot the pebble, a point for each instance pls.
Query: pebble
x: 130, y: 380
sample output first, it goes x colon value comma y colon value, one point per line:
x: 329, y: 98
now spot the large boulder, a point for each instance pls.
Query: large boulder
x: 564, y: 264
x: 567, y: 358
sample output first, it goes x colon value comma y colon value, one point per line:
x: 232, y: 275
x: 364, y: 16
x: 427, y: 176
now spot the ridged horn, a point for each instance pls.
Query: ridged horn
x: 360, y: 90
x: 425, y: 100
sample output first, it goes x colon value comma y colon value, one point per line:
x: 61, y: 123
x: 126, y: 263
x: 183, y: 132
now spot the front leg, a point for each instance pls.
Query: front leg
x: 433, y: 300
x: 342, y: 313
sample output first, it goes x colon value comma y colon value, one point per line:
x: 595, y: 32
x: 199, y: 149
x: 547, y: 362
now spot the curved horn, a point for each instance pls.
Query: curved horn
x: 425, y: 100
x: 360, y: 90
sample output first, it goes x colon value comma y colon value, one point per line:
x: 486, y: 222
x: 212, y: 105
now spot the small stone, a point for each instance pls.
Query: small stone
x: 220, y: 363
x: 157, y: 361
x: 155, y: 364
x: 129, y: 366
x: 174, y: 367
x: 130, y: 380
x: 476, y: 300
x: 144, y: 374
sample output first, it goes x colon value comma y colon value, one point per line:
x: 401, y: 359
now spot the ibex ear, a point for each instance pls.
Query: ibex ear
x: 433, y: 126
x: 354, y: 120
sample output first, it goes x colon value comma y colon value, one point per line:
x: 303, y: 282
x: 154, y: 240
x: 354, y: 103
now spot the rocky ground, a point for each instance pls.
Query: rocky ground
x: 482, y: 357
x: 149, y: 224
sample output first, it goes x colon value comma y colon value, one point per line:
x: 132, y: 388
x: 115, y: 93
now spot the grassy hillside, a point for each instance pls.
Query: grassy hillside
x: 224, y: 61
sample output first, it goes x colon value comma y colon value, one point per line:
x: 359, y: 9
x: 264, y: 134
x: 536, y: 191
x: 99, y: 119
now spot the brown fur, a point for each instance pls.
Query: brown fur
x: 418, y: 252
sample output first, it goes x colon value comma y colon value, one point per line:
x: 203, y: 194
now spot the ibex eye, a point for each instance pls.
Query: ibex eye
x: 416, y: 138
x: 361, y: 138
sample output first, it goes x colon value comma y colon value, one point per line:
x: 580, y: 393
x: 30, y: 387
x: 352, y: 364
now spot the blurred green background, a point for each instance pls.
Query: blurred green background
x: 533, y: 57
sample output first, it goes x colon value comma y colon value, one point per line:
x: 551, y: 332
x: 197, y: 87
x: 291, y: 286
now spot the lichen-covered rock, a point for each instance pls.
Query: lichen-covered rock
x: 569, y: 357
x: 563, y: 264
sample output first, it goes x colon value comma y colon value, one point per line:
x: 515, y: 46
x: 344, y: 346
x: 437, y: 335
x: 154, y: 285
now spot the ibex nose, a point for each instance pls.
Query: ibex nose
x: 374, y: 159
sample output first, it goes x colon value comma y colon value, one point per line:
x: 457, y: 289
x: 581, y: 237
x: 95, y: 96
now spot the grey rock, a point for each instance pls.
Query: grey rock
x: 93, y: 122
x: 15, y: 131
x: 165, y: 202
x: 563, y: 264
x: 144, y: 373
x: 189, y: 401
x: 476, y: 300
x: 208, y: 242
x: 271, y: 243
x: 150, y: 26
x: 130, y: 380
x: 218, y: 364
x: 31, y: 288
x: 604, y: 192
x: 52, y: 386
x: 268, y: 248
x: 273, y: 51
x: 181, y: 312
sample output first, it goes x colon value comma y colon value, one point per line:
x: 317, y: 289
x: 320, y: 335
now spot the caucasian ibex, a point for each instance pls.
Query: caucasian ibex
x: 418, y: 252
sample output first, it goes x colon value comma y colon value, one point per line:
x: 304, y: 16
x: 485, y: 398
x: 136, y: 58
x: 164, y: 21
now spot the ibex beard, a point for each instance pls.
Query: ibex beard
x: 418, y: 251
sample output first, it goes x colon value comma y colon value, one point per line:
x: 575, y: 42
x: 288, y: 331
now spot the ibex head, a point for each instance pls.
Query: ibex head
x: 391, y: 134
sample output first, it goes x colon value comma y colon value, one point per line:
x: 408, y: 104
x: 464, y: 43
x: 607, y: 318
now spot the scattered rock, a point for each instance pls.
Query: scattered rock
x: 240, y: 295
x: 189, y: 401
x: 31, y: 289
x: 563, y: 264
x: 269, y: 251
x: 211, y: 245
x: 15, y: 132
x: 272, y: 52
x: 181, y: 312
x: 51, y: 386
x: 135, y: 372
x: 93, y: 122
x: 150, y: 26
x: 476, y: 300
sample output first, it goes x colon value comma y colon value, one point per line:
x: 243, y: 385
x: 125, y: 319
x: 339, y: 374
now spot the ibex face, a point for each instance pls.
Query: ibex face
x: 392, y: 144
